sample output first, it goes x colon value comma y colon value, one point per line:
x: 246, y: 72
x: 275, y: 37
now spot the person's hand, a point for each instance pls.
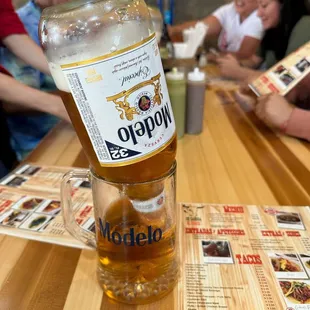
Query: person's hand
x: 229, y: 65
x: 247, y: 92
x: 245, y: 89
x: 212, y: 57
x: 274, y: 110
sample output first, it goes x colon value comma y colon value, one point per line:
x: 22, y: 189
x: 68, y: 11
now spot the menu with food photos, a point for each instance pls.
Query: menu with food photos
x: 285, y: 75
x: 30, y: 205
x: 231, y: 256
x: 244, y: 257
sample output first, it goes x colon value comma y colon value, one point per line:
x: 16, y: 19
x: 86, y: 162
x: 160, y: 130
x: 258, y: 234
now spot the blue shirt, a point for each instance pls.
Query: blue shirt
x: 27, y: 131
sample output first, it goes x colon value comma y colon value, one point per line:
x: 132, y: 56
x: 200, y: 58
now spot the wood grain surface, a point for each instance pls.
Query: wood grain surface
x: 237, y: 160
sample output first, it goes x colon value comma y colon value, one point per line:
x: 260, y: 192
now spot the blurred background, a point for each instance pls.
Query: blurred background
x: 184, y: 9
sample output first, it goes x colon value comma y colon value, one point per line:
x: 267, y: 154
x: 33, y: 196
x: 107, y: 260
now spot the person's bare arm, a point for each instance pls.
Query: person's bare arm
x: 214, y: 30
x: 14, y: 92
x: 230, y: 68
x: 248, y: 48
x: 245, y: 74
x: 246, y: 55
x: 276, y: 111
x: 27, y: 50
x: 215, y: 26
x: 176, y: 29
x: 252, y: 62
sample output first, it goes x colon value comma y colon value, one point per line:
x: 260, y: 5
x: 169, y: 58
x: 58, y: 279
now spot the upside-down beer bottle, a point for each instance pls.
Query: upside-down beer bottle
x: 104, y: 58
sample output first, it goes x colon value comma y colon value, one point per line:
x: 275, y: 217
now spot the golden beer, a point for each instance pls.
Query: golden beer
x: 145, y: 267
x: 136, y: 241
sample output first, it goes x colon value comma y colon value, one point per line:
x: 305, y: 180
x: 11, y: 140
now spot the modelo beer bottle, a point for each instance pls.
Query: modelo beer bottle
x: 104, y: 58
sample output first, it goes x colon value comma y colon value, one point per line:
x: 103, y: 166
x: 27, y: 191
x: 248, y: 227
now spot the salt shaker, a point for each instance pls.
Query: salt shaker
x: 195, y: 99
x: 177, y: 92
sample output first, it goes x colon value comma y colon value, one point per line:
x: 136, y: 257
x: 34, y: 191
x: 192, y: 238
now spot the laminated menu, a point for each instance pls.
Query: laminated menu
x: 244, y: 257
x: 30, y: 205
x: 285, y: 75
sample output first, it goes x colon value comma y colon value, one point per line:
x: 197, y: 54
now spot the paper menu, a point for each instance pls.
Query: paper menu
x: 285, y: 75
x: 30, y: 205
x: 251, y: 257
x: 231, y: 256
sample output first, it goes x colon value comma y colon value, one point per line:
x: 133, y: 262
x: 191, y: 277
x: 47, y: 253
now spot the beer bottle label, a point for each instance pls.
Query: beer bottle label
x: 151, y: 205
x: 124, y: 104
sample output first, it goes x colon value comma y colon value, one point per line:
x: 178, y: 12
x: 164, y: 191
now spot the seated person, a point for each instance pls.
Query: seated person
x: 287, y: 29
x: 28, y: 127
x: 276, y: 111
x: 236, y: 25
x: 13, y: 36
x: 288, y: 114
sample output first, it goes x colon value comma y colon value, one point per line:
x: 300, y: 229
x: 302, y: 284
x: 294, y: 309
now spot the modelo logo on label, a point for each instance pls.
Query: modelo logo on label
x: 146, y: 126
x: 143, y: 104
x: 132, y: 238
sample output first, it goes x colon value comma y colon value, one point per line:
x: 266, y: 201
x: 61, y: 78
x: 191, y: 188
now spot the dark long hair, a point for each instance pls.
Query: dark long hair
x: 277, y: 39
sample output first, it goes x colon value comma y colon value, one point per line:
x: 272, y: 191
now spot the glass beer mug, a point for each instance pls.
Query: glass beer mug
x: 135, y: 239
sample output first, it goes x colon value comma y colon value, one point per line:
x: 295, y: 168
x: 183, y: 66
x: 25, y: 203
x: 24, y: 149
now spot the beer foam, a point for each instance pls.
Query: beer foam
x: 59, y: 77
x: 110, y: 40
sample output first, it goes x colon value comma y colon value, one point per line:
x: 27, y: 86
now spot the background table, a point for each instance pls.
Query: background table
x: 237, y: 160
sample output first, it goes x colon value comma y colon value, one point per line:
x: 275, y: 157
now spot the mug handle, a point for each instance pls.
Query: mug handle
x: 71, y: 225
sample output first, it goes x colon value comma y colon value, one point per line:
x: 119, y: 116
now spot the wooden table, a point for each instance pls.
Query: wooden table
x: 237, y: 159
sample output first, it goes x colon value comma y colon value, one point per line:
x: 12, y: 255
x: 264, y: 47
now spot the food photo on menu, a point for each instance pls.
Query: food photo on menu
x: 287, y: 266
x: 287, y: 78
x: 295, y: 292
x: 36, y: 222
x: 14, y: 181
x: 28, y: 170
x: 28, y: 203
x: 216, y: 252
x: 82, y: 184
x: 25, y: 213
x: 279, y: 70
x: 13, y: 218
x: 51, y: 207
x: 282, y: 75
x: 90, y: 225
x: 289, y: 220
x: 303, y: 65
x: 305, y: 258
